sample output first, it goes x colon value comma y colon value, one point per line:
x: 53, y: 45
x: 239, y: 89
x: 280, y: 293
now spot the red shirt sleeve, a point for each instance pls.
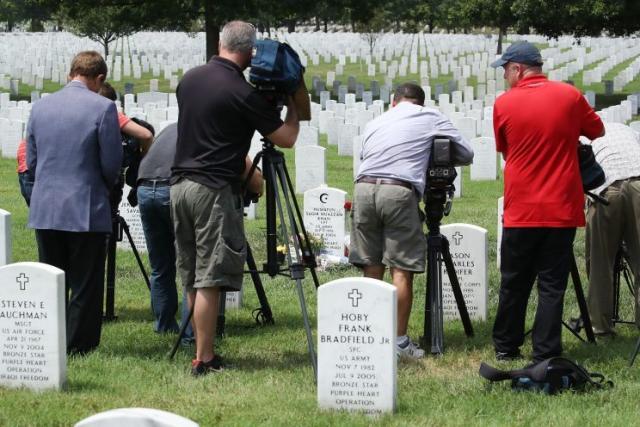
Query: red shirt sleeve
x: 122, y: 119
x: 501, y: 143
x: 22, y: 156
x: 592, y: 127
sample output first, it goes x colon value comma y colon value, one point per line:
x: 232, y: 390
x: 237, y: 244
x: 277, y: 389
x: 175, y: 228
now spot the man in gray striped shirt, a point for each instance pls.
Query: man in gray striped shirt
x: 618, y: 152
x: 387, y: 228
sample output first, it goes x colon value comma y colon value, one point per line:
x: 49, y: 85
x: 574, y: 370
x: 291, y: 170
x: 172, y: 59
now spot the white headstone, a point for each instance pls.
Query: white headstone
x: 311, y: 167
x: 484, y: 159
x: 136, y: 417
x: 5, y: 237
x: 357, y: 364
x: 233, y: 299
x: 468, y: 247
x: 346, y: 133
x: 132, y: 216
x: 308, y: 135
x: 32, y: 326
x: 324, y: 216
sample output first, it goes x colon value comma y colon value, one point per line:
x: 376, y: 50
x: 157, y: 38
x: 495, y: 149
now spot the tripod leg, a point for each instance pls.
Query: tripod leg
x: 635, y: 353
x: 582, y: 304
x: 183, y: 328
x: 455, y: 287
x: 111, y: 275
x: 125, y: 227
x: 264, y: 315
x: 307, y: 254
x: 433, y: 323
x: 296, y: 268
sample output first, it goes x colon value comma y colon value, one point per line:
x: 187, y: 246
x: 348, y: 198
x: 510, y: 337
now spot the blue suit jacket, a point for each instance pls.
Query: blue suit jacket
x: 74, y: 147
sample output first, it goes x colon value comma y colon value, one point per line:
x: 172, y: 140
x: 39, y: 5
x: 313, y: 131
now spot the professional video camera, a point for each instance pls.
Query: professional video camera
x: 275, y: 67
x: 439, y: 183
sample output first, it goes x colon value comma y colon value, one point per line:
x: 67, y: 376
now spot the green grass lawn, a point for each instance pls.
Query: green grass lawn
x: 269, y: 379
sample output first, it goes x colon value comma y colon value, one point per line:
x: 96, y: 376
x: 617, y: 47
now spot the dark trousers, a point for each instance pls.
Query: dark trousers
x: 82, y: 257
x: 527, y: 253
x: 154, y: 205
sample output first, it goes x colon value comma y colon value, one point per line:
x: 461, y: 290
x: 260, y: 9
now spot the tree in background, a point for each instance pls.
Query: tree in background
x: 101, y: 24
x: 492, y: 13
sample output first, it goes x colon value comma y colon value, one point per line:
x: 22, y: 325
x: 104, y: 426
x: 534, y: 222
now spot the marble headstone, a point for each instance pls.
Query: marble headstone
x: 324, y: 216
x: 311, y: 167
x: 131, y: 215
x: 484, y: 159
x: 468, y: 247
x: 32, y: 326
x: 357, y: 364
x: 5, y: 237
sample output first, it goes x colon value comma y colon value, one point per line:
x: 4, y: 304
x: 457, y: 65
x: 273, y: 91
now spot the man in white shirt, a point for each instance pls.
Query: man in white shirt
x: 387, y: 228
x: 618, y: 152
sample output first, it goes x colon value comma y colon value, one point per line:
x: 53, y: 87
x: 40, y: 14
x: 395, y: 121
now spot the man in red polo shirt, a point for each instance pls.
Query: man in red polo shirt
x: 537, y: 124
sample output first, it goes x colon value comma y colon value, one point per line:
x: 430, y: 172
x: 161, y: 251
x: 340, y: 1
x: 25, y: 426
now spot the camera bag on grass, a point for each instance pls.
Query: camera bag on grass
x: 550, y: 376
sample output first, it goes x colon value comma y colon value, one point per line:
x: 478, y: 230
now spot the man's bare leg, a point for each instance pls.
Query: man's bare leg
x: 403, y: 281
x: 374, y: 271
x: 205, y: 316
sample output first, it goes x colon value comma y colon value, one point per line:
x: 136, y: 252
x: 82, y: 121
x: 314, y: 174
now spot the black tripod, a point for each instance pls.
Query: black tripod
x: 621, y: 270
x: 283, y: 219
x: 438, y: 204
x: 119, y: 225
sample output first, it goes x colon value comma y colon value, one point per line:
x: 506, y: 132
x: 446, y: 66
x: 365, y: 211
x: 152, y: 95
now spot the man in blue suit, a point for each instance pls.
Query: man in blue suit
x: 74, y: 147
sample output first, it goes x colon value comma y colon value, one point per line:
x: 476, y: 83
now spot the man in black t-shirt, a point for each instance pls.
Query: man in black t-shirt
x: 219, y: 112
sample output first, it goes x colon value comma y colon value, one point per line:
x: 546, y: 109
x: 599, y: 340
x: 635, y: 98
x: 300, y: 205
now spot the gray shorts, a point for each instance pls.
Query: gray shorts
x: 386, y: 228
x: 209, y: 229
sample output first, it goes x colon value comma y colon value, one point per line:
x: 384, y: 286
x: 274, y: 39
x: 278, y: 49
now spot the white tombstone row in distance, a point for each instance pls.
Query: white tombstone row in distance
x: 311, y: 167
x: 32, y: 326
x: 5, y: 237
x: 324, y: 217
x: 357, y: 363
x: 468, y: 247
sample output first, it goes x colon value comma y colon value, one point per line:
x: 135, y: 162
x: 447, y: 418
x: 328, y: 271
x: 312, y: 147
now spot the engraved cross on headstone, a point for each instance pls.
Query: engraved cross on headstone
x: 355, y: 297
x: 22, y: 279
x: 457, y: 237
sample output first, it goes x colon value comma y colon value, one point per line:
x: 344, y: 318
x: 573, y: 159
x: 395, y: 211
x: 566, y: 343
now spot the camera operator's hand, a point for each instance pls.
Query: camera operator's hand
x: 256, y: 182
x: 140, y: 133
x: 287, y: 134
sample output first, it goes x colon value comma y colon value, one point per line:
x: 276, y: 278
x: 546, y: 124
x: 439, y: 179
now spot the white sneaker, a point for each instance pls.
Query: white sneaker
x: 410, y: 351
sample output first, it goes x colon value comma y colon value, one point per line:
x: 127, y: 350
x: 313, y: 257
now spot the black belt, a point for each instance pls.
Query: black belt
x: 153, y: 183
x: 388, y: 181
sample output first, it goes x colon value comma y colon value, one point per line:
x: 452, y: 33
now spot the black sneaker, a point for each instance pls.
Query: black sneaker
x: 507, y: 356
x: 200, y: 368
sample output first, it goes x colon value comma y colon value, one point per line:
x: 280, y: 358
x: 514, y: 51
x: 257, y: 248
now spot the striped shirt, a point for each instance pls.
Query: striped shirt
x: 618, y: 152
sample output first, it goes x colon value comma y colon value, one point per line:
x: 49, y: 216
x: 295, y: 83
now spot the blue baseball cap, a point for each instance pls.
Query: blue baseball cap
x: 521, y: 52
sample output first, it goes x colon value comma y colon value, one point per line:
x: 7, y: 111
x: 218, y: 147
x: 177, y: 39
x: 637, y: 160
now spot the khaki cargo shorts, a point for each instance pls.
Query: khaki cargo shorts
x: 209, y: 229
x: 386, y: 228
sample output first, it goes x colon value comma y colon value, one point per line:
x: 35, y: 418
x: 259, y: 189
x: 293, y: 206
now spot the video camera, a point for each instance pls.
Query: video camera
x: 439, y: 181
x: 276, y: 71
